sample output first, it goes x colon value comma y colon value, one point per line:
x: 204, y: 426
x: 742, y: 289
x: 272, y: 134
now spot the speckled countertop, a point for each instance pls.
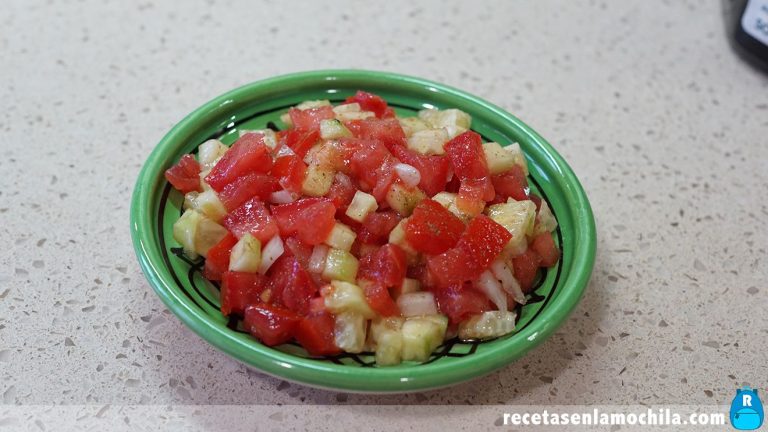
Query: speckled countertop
x: 665, y: 126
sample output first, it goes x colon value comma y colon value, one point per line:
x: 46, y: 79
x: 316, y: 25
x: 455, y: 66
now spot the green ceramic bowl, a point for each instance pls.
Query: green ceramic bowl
x: 177, y: 280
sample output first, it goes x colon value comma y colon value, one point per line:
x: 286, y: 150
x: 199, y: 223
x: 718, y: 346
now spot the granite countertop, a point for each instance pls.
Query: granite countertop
x: 663, y: 123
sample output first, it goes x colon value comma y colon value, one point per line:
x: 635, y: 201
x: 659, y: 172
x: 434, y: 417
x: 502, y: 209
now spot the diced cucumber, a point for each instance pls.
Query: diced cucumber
x: 383, y: 324
x: 347, y: 108
x: 545, y: 222
x: 333, y: 129
x: 499, y: 160
x: 286, y: 118
x: 518, y: 218
x: 349, y: 332
x: 340, y: 265
x: 246, y: 255
x: 386, y: 339
x: 454, y: 121
x: 518, y: 156
x: 197, y: 233
x: 487, y: 325
x: 411, y: 125
x: 313, y: 104
x: 359, y: 115
x: 403, y: 199
x: 209, y: 152
x: 318, y: 181
x: 420, y: 337
x: 270, y: 138
x: 417, y: 304
x: 361, y: 206
x: 341, y: 237
x: 342, y: 296
x: 448, y: 200
x: 207, y: 203
x: 428, y: 141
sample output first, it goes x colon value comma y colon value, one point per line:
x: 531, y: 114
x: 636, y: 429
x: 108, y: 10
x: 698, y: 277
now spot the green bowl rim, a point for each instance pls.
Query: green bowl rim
x: 342, y: 377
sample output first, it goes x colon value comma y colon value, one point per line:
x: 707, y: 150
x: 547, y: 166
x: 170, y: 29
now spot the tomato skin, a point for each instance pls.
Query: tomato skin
x: 240, y: 289
x: 511, y: 184
x: 270, y: 324
x: 290, y: 171
x: 291, y: 284
x: 309, y: 119
x: 434, y: 170
x: 251, y: 217
x: 377, y: 226
x: 460, y: 301
x: 185, y: 175
x: 248, y: 154
x: 300, y: 141
x: 246, y: 187
x: 386, y: 266
x: 217, y: 261
x: 309, y: 219
x: 544, y: 246
x: 371, y: 102
x: 525, y: 267
x: 315, y: 333
x: 342, y: 191
x: 432, y: 229
x: 386, y: 131
x: 379, y: 299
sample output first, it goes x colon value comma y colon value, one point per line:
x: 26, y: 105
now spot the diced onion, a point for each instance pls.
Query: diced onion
x: 270, y: 253
x: 417, y: 304
x: 509, y: 284
x: 317, y: 259
x: 408, y: 174
x: 492, y: 288
x: 281, y: 197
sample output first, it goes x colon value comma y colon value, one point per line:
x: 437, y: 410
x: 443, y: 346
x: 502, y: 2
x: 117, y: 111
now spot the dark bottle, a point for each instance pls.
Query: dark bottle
x: 751, y: 32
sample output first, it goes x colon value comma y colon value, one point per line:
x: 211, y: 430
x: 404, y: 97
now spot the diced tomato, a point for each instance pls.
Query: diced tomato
x: 484, y: 239
x: 271, y: 324
x: 386, y: 131
x: 337, y: 154
x: 378, y: 298
x: 291, y: 171
x: 298, y: 249
x: 315, y: 333
x: 433, y: 229
x: 365, y: 163
x: 377, y: 226
x: 544, y: 246
x: 342, y: 191
x: 421, y: 273
x: 460, y: 301
x: 453, y: 185
x: 217, y: 261
x: 251, y: 217
x: 240, y: 289
x: 300, y: 141
x: 536, y: 200
x: 473, y: 194
x: 389, y: 113
x: 451, y: 267
x: 434, y: 170
x: 525, y: 267
x: 309, y: 219
x: 467, y: 156
x: 185, y: 175
x: 248, y: 154
x: 386, y: 266
x: 309, y: 119
x: 317, y: 306
x: 511, y: 184
x: 246, y: 187
x: 291, y: 284
x: 385, y: 178
x: 370, y: 102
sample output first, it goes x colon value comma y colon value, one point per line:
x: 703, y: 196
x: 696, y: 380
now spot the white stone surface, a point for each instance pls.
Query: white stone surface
x: 665, y: 126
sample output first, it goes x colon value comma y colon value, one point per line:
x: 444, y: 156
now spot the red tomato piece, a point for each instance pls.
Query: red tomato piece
x: 386, y: 131
x: 271, y: 324
x: 511, y: 184
x: 365, y: 162
x: 385, y: 178
x: 342, y: 191
x: 377, y: 226
x: 433, y: 229
x: 536, y: 200
x: 434, y: 170
x: 217, y: 261
x: 300, y: 141
x: 291, y: 284
x: 246, y: 187
x: 337, y: 154
x: 473, y: 194
x: 451, y: 267
x: 544, y: 246
x: 309, y: 219
x: 525, y: 267
x: 460, y: 301
x: 386, y: 266
x: 251, y: 217
x: 484, y: 239
x: 291, y: 171
x: 467, y: 156
x: 378, y: 298
x: 309, y: 119
x: 315, y: 333
x: 240, y: 289
x: 185, y: 175
x: 298, y: 249
x: 248, y: 154
x: 370, y: 102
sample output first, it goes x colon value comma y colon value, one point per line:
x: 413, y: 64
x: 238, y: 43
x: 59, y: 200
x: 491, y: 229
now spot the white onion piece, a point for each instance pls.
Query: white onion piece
x: 284, y: 150
x: 408, y: 174
x: 317, y: 259
x: 270, y: 253
x: 509, y: 284
x: 488, y: 283
x: 281, y: 197
x: 417, y: 304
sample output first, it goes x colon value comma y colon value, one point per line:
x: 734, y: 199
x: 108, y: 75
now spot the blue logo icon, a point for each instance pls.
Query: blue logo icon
x: 746, y: 410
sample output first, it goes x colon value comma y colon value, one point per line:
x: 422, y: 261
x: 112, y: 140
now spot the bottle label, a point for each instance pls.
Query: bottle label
x: 755, y: 20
